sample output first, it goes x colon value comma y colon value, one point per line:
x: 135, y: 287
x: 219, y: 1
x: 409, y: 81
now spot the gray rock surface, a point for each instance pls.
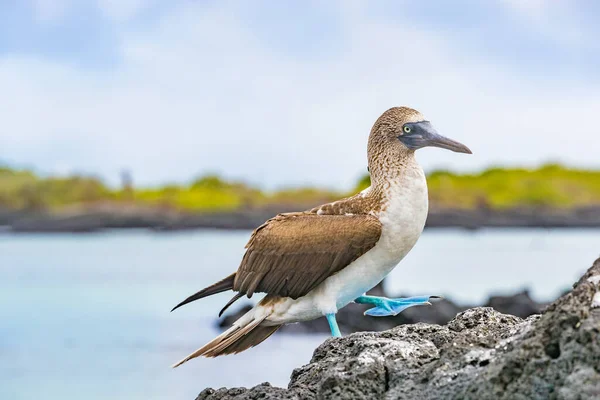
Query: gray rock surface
x: 480, y: 354
x: 101, y: 217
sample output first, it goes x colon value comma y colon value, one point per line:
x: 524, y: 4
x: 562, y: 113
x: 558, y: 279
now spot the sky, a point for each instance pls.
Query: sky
x: 285, y: 93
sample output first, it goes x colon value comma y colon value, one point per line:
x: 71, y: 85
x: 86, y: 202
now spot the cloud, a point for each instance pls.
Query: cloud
x: 50, y: 10
x: 54, y: 11
x: 561, y: 21
x: 201, y: 90
x: 121, y: 10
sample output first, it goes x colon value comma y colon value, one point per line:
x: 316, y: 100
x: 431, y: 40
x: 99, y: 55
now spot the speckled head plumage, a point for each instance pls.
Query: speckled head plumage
x: 390, y: 123
x: 398, y: 133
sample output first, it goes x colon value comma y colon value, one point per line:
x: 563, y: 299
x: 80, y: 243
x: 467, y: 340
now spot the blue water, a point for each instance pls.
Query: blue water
x: 88, y: 315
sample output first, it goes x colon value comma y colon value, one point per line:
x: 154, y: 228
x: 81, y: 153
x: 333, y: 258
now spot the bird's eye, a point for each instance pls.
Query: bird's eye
x: 407, y: 129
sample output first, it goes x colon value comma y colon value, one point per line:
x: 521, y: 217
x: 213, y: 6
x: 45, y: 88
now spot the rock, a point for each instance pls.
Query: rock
x: 582, y: 217
x: 97, y: 217
x: 480, y: 354
x: 7, y: 217
x: 520, y: 304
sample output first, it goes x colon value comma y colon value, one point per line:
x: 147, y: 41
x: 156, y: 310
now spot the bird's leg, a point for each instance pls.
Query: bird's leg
x: 335, y: 330
x: 384, y: 306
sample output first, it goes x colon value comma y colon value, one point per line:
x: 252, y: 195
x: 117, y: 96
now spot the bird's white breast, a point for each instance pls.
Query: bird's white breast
x: 402, y: 217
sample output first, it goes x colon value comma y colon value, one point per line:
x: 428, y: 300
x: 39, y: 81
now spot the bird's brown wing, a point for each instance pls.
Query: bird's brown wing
x: 291, y: 254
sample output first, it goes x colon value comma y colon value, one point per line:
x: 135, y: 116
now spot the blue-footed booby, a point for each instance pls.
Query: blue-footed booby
x: 312, y: 263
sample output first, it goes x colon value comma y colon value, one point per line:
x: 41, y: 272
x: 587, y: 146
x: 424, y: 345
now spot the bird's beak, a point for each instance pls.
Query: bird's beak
x: 443, y: 142
x: 423, y: 134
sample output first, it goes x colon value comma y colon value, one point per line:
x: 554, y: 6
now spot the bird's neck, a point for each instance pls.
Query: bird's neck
x: 400, y: 185
x: 390, y: 167
x: 392, y: 176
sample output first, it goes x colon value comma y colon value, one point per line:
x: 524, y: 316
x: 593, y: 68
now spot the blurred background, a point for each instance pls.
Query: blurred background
x: 142, y: 140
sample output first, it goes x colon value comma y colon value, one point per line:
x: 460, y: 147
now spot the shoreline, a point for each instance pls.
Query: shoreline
x: 110, y: 218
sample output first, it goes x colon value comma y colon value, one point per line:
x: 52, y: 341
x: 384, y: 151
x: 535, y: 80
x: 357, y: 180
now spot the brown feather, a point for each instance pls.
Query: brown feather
x: 251, y: 339
x: 293, y: 253
x: 230, y: 302
x: 234, y: 340
x: 230, y: 339
x: 221, y: 286
x: 213, y: 343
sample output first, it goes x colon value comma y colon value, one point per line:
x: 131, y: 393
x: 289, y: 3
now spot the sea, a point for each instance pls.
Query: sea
x: 88, y: 315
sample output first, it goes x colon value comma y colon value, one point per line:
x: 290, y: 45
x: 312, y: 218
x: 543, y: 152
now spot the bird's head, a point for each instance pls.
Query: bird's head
x: 407, y: 130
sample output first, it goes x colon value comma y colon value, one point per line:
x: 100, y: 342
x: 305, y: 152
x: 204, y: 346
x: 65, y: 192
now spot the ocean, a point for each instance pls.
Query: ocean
x: 87, y: 316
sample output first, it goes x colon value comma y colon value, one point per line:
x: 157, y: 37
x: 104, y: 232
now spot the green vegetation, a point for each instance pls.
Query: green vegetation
x: 209, y: 193
x: 551, y: 186
x: 24, y: 190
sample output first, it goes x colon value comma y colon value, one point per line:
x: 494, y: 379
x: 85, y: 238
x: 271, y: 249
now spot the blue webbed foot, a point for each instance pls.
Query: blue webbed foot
x: 386, y: 307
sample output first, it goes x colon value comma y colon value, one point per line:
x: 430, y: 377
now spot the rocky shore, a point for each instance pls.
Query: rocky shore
x: 480, y: 354
x: 102, y: 217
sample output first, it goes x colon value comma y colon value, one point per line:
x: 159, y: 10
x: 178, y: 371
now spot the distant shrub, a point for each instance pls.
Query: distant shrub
x: 550, y: 185
x: 209, y: 182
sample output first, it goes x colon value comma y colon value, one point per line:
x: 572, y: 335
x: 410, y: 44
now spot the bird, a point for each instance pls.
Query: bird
x: 312, y: 263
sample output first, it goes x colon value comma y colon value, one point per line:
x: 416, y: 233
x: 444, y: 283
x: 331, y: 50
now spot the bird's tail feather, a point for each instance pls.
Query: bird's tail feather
x: 235, y: 340
x: 221, y: 286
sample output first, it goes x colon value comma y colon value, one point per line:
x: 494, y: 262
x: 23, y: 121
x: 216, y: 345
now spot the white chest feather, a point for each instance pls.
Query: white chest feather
x: 404, y: 214
x: 403, y: 218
